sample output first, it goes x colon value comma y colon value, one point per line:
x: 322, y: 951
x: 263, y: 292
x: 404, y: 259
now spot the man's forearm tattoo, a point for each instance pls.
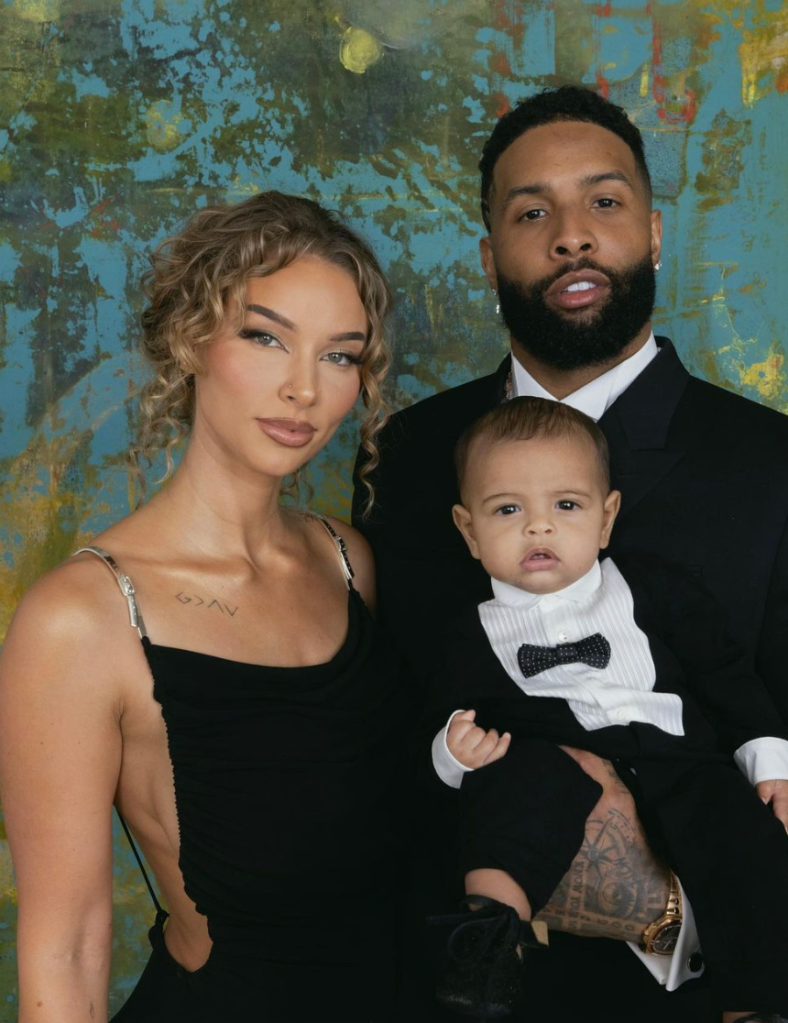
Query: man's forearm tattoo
x: 615, y: 886
x: 183, y: 598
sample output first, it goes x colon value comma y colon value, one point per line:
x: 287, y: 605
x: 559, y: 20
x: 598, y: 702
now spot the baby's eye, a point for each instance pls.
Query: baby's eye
x: 567, y: 505
x: 507, y: 509
x: 260, y: 337
x: 343, y: 359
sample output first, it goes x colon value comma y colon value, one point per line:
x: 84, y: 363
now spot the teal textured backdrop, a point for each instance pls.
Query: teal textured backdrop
x: 120, y: 117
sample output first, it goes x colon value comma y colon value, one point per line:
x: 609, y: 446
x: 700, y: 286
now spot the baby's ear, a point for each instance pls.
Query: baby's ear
x: 464, y: 522
x: 612, y: 506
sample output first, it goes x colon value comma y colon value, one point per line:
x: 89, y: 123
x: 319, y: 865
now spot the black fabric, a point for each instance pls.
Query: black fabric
x: 699, y: 811
x: 531, y: 836
x: 704, y: 478
x: 285, y: 781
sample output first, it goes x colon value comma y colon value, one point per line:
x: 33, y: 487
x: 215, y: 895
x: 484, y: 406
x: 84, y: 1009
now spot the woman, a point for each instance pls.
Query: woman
x: 228, y: 691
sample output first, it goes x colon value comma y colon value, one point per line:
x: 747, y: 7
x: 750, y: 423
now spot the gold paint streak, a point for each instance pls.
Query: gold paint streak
x: 358, y: 50
x: 766, y: 377
x: 764, y: 55
x: 644, y: 82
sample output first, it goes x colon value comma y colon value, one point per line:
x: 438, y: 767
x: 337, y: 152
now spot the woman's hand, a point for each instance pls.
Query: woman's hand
x: 471, y: 745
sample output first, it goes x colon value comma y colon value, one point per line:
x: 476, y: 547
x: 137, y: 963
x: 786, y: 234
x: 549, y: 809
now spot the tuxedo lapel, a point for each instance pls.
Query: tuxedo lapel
x: 637, y: 425
x: 498, y: 381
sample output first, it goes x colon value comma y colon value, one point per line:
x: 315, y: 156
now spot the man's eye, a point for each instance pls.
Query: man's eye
x: 607, y: 204
x: 260, y: 337
x: 567, y: 505
x: 507, y: 509
x: 532, y: 215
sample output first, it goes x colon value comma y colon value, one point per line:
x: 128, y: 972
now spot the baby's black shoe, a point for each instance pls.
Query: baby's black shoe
x: 485, y: 955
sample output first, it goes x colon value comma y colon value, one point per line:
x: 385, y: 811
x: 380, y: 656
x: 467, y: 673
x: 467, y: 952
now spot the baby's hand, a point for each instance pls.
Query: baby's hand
x: 776, y: 793
x: 471, y: 745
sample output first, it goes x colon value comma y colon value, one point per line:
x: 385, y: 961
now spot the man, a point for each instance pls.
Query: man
x: 572, y: 248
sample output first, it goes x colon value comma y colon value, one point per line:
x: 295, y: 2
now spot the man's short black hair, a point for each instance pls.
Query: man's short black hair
x: 567, y: 103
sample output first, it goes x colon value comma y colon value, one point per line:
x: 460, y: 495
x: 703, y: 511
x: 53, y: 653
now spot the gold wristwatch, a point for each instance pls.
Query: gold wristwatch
x: 660, y: 937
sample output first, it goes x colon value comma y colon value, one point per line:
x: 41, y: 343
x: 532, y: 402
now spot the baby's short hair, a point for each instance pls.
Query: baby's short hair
x: 531, y: 419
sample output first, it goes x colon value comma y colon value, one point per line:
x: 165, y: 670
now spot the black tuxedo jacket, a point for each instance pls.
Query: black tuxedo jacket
x: 704, y: 480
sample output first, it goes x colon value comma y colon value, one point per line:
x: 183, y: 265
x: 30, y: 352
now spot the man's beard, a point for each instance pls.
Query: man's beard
x: 567, y: 341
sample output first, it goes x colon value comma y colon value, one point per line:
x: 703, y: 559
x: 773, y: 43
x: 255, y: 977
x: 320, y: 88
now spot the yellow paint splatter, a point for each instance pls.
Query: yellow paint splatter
x: 766, y: 377
x: 358, y: 50
x: 163, y: 126
x: 764, y: 58
x: 37, y: 10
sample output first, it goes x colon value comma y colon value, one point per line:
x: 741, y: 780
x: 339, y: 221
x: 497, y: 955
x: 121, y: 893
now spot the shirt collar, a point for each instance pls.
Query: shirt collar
x: 581, y: 589
x: 595, y: 397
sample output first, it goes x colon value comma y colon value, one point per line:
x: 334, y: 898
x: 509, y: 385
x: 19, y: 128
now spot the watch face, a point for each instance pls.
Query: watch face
x: 664, y: 942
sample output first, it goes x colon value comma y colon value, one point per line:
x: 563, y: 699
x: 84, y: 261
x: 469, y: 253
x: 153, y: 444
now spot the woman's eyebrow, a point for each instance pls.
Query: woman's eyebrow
x: 350, y: 335
x: 271, y: 314
x: 276, y: 317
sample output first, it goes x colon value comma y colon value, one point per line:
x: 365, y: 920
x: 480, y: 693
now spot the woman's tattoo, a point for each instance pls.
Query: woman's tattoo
x: 200, y: 602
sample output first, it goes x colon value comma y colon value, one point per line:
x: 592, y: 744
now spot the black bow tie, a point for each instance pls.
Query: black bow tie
x: 593, y: 651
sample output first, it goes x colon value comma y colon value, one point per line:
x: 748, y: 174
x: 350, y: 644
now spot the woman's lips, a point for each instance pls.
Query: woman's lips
x: 290, y: 432
x: 539, y: 561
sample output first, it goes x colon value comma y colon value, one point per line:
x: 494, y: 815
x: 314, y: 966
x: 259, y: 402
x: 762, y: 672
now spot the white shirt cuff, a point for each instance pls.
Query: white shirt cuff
x: 686, y: 963
x: 447, y: 767
x: 763, y: 759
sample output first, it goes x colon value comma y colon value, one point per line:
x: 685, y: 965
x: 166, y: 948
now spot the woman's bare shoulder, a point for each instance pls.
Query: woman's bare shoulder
x: 360, y: 556
x: 72, y: 604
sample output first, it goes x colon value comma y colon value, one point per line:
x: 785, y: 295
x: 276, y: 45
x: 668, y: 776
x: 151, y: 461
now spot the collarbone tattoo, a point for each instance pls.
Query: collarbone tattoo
x: 196, y: 601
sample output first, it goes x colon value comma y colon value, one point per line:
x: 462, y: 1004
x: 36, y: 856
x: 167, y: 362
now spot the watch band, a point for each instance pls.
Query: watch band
x: 671, y: 919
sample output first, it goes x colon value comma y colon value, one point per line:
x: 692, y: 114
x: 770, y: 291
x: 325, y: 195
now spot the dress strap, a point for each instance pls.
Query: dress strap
x: 125, y: 584
x: 341, y: 547
x: 136, y: 622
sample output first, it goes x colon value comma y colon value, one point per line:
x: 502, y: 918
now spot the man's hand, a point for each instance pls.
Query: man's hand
x: 776, y: 793
x: 471, y: 745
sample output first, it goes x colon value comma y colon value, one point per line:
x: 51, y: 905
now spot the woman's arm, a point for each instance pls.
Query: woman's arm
x: 60, y: 753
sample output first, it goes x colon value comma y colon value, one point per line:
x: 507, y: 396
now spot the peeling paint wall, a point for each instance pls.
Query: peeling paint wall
x: 120, y: 117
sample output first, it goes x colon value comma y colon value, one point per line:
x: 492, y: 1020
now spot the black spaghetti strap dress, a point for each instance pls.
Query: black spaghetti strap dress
x: 285, y: 783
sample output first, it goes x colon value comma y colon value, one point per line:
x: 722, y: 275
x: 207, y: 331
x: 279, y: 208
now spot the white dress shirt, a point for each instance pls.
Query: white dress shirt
x: 595, y: 397
x: 621, y: 693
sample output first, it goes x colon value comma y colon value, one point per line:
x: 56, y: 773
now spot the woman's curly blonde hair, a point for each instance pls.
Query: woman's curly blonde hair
x: 200, y: 273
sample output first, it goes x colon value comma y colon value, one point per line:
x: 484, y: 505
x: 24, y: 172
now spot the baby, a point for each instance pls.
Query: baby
x: 629, y: 660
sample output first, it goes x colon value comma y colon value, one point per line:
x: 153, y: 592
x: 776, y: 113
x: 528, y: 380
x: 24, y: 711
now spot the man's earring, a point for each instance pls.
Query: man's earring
x: 497, y: 304
x: 658, y: 265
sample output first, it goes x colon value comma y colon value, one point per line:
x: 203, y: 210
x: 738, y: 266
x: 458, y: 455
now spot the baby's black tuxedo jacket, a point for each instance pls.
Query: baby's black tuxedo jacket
x: 700, y: 813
